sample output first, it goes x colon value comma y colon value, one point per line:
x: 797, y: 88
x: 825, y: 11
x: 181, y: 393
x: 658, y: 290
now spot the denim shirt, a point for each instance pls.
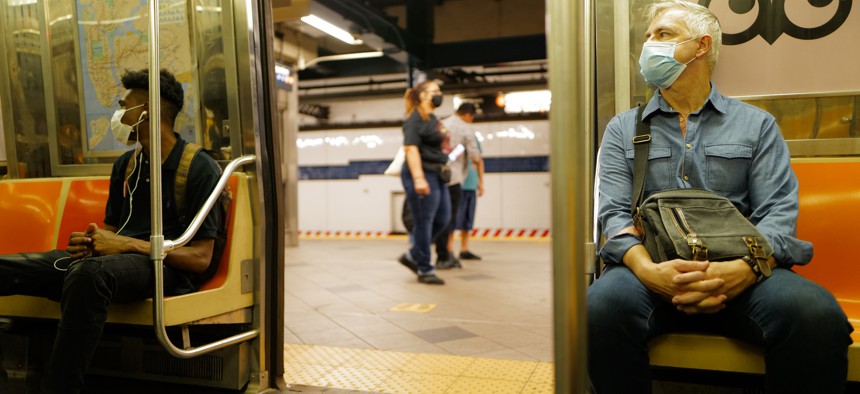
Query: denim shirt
x: 731, y: 148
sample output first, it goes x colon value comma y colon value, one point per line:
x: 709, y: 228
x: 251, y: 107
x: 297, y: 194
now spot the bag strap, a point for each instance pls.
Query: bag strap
x: 180, y: 183
x: 641, y: 144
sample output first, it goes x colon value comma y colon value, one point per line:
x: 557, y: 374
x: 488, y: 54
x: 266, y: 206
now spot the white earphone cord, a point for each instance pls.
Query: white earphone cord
x: 130, y: 210
x: 131, y: 192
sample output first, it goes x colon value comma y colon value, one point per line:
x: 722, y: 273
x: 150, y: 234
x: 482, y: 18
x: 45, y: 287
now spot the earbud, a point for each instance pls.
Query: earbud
x: 144, y: 113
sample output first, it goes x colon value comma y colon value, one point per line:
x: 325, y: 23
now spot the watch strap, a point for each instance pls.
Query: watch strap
x: 759, y: 276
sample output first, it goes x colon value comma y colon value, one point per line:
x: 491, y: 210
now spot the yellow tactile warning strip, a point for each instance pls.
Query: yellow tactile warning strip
x: 417, y: 308
x: 383, y: 371
x: 495, y: 236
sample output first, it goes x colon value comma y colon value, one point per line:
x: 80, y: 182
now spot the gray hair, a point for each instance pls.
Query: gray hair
x: 699, y: 20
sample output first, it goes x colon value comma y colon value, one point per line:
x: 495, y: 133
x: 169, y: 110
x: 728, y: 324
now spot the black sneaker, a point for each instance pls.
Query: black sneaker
x: 467, y: 255
x: 408, y: 263
x: 448, y: 264
x: 430, y: 279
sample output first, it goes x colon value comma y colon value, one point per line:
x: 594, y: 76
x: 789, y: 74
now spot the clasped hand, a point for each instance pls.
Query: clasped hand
x: 699, y: 286
x: 95, y: 242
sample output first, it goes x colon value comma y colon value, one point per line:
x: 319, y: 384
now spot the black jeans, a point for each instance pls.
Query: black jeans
x: 84, y: 291
x: 442, y: 239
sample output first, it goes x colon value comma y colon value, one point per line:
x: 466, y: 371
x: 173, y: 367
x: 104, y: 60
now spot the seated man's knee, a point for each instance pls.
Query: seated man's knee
x: 811, y: 311
x: 86, y: 272
x: 616, y: 299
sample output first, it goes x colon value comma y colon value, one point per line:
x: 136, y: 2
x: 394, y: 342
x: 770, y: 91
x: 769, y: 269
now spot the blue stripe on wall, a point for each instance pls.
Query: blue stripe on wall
x: 517, y: 164
x: 376, y: 167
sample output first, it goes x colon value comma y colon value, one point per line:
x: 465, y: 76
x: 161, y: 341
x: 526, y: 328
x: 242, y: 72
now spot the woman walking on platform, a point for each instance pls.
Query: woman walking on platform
x: 425, y: 176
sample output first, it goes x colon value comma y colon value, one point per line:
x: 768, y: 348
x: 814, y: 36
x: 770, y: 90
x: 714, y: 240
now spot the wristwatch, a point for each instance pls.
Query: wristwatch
x: 760, y: 268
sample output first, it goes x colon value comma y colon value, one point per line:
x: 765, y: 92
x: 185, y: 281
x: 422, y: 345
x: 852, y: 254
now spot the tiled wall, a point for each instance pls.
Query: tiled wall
x: 343, y: 188
x: 372, y: 110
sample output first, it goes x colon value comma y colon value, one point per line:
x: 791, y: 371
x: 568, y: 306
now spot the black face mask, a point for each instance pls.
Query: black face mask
x: 437, y: 100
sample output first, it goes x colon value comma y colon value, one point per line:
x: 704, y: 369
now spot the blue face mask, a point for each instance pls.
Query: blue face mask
x: 658, y: 65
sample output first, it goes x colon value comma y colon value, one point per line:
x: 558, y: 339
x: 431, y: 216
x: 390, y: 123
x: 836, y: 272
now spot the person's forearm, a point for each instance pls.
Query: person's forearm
x: 637, y: 259
x: 413, y: 160
x: 193, y: 257
x: 479, y: 165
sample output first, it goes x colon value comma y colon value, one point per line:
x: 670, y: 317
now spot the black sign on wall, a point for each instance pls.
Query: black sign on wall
x: 772, y: 20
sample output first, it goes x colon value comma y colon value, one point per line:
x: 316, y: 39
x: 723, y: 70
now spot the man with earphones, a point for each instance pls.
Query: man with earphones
x: 110, y: 263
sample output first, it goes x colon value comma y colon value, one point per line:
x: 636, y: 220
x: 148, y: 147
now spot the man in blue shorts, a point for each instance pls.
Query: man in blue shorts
x: 471, y: 189
x: 465, y: 150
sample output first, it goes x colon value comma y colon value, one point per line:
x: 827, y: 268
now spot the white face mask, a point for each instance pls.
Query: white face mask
x: 122, y: 131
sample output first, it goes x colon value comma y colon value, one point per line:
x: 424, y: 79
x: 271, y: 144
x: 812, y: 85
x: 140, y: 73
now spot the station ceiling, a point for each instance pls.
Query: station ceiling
x: 457, y: 40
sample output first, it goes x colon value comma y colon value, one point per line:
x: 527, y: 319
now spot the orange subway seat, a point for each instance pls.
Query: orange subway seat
x: 28, y: 215
x: 221, y: 274
x: 85, y: 204
x: 829, y: 217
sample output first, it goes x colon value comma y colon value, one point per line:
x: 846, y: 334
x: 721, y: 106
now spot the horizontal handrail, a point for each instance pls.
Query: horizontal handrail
x: 158, y: 262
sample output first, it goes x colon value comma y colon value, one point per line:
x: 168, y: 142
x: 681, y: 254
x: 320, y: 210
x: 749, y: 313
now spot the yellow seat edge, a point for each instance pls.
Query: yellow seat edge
x: 717, y: 353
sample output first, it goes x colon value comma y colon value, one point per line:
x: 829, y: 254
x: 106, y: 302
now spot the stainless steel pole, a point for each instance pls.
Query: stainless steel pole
x: 570, y: 49
x: 157, y: 235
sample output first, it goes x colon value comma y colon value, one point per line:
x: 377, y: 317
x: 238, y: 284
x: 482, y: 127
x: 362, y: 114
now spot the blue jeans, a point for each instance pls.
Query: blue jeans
x: 431, y: 213
x: 441, y: 239
x: 84, y: 291
x: 804, y: 333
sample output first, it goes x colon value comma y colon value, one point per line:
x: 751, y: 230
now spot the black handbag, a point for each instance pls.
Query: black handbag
x: 689, y: 224
x: 443, y: 169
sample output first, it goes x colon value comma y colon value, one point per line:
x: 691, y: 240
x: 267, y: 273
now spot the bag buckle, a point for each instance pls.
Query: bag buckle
x: 698, y: 248
x: 756, y: 250
x: 642, y: 138
x: 637, y: 221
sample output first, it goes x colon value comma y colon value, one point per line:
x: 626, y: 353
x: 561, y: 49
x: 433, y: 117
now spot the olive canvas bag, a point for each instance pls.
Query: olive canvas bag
x: 689, y: 224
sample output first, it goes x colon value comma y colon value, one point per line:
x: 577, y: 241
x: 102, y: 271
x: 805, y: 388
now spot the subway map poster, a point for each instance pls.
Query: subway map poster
x: 114, y: 38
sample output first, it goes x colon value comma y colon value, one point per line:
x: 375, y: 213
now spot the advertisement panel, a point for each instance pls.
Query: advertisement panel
x: 776, y: 47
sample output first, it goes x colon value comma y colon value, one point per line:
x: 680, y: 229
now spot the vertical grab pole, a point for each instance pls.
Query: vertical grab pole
x: 570, y: 51
x: 156, y: 238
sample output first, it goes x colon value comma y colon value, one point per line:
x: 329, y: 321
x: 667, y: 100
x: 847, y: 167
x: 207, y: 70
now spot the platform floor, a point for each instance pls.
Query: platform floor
x: 354, y: 293
x: 356, y: 319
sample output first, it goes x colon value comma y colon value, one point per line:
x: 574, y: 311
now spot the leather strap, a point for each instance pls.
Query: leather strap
x: 641, y: 144
x: 181, y: 181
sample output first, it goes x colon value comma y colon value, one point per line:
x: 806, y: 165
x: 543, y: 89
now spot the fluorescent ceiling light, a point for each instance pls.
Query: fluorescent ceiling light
x: 344, y: 56
x: 331, y: 29
x: 529, y: 101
